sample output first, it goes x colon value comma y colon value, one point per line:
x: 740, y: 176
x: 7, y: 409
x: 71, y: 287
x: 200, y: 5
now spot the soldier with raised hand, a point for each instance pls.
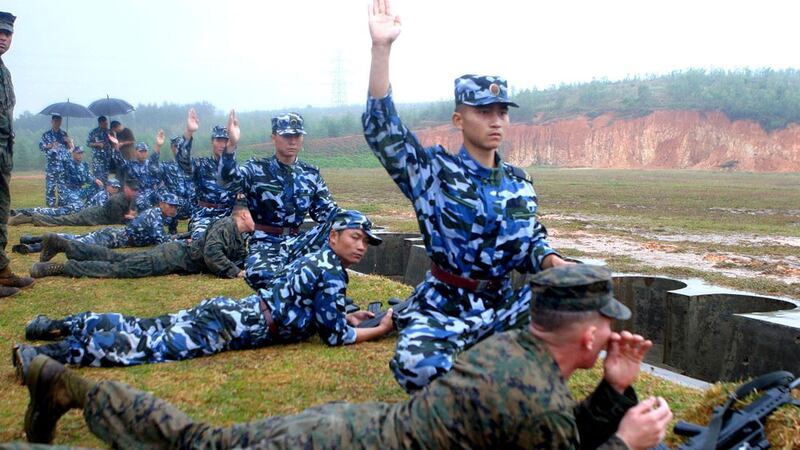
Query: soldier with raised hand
x: 280, y: 191
x: 506, y: 392
x: 477, y: 216
x: 175, y: 181
x: 10, y: 283
x: 213, y: 200
x: 306, y: 299
x: 142, y: 168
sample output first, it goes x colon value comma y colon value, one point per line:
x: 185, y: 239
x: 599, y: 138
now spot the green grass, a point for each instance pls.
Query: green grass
x: 247, y: 385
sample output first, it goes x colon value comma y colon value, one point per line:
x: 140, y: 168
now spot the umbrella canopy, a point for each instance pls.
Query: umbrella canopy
x: 67, y: 109
x: 110, y: 107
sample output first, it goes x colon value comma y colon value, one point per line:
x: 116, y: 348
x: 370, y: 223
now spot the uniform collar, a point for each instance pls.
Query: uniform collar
x: 478, y: 170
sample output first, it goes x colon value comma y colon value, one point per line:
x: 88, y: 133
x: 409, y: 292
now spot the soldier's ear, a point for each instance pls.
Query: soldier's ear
x: 457, y: 120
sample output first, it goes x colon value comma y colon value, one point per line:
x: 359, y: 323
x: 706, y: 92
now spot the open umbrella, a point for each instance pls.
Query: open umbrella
x: 67, y: 109
x: 110, y: 107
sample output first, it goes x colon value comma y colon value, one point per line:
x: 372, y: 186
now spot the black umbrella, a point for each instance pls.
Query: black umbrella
x: 110, y: 107
x: 67, y: 109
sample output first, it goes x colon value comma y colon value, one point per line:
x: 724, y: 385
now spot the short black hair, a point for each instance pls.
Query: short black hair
x: 115, y: 123
x: 102, y: 119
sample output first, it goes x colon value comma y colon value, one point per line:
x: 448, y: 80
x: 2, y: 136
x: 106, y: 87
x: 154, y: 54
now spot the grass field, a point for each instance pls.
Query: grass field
x: 241, y: 386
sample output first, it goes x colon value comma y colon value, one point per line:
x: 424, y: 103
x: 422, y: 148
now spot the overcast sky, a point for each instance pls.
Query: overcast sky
x: 253, y: 55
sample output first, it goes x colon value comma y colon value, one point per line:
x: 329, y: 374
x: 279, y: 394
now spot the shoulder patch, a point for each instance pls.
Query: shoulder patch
x: 518, y: 172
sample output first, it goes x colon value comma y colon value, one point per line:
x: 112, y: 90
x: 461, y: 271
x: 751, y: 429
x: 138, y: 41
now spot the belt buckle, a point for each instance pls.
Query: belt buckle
x: 482, y: 285
x: 286, y: 231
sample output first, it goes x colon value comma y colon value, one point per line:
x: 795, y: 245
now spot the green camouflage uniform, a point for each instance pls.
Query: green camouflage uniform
x: 504, y: 393
x: 221, y: 251
x: 109, y: 213
x: 7, y: 102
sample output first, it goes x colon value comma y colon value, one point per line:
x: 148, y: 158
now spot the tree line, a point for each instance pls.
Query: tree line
x: 769, y: 97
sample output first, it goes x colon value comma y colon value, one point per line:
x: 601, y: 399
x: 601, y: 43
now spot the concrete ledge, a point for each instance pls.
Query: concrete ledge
x: 702, y: 331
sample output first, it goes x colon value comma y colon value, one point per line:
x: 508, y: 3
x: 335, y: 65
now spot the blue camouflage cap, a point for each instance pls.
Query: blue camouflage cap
x: 289, y: 123
x: 170, y: 199
x: 175, y: 141
x: 7, y: 21
x: 350, y: 219
x: 479, y: 90
x: 113, y: 183
x: 577, y: 288
x: 77, y: 149
x: 141, y: 147
x: 219, y: 132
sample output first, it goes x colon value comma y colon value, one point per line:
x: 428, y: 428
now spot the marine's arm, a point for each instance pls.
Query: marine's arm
x: 221, y: 237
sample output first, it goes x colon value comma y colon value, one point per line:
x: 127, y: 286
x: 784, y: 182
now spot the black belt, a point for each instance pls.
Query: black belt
x: 272, y: 329
x: 281, y: 231
x: 466, y: 283
x: 211, y: 205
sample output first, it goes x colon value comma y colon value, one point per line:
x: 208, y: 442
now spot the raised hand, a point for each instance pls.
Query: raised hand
x: 623, y: 359
x: 233, y: 129
x: 384, y: 27
x: 160, y: 139
x: 192, y: 122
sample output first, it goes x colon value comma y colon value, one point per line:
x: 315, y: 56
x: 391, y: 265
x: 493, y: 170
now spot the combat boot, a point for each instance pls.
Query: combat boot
x: 43, y: 329
x: 30, y: 239
x: 10, y: 279
x: 52, y: 244
x: 19, y: 219
x: 46, y: 269
x: 8, y: 291
x: 24, y: 249
x: 23, y: 354
x: 54, y: 390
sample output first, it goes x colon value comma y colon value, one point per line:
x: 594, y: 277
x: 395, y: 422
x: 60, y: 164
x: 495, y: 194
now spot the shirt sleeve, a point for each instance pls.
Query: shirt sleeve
x: 323, y: 207
x: 219, y: 239
x: 232, y: 176
x: 598, y: 416
x: 329, y: 310
x: 397, y: 148
x: 153, y: 165
x: 183, y: 156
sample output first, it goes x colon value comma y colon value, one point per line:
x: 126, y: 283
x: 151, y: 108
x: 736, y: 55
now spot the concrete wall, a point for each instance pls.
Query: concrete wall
x: 709, y: 333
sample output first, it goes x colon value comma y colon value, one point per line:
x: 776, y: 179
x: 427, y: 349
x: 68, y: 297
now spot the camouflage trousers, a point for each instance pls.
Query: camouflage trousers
x: 202, y: 218
x: 6, y: 166
x: 109, y: 237
x: 48, y: 211
x: 215, y: 325
x: 443, y: 320
x: 52, y: 182
x: 86, y: 260
x: 85, y: 217
x: 269, y: 253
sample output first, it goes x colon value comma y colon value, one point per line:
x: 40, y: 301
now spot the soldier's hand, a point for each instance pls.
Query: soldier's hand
x: 241, y: 273
x: 192, y: 122
x: 387, y: 323
x: 357, y: 317
x: 384, y: 27
x: 233, y: 129
x: 98, y: 182
x: 645, y: 425
x: 114, y: 141
x: 624, y: 358
x: 160, y: 138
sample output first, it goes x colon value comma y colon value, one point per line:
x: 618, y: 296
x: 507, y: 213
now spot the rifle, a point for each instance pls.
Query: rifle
x: 396, y: 304
x: 741, y: 428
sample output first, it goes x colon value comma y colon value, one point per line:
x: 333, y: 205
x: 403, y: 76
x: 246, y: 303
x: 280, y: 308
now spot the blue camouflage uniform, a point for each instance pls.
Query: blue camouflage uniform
x: 146, y: 229
x: 307, y: 298
x: 53, y: 162
x: 279, y: 197
x: 176, y: 181
x: 101, y: 157
x: 96, y: 199
x: 146, y: 172
x: 214, y: 201
x: 476, y: 223
x: 78, y: 184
